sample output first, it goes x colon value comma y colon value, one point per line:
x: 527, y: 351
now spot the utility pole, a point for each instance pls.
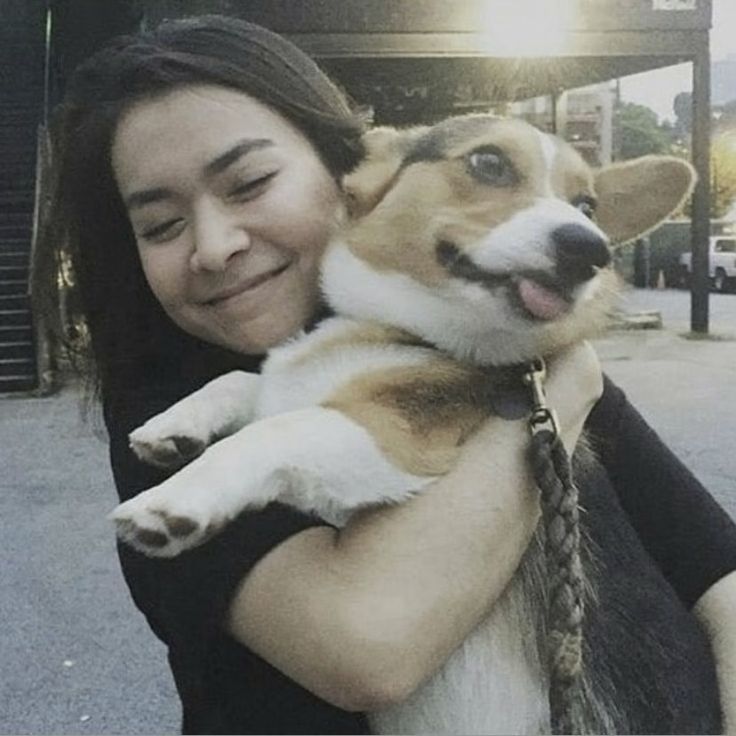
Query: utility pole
x: 700, y: 232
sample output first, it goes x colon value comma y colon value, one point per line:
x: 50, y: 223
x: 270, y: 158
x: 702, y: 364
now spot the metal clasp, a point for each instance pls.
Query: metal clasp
x: 542, y: 416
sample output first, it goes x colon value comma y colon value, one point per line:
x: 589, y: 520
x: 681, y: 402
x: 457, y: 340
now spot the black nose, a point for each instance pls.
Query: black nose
x: 580, y: 253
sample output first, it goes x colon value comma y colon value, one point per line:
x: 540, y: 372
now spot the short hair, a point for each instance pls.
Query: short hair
x: 130, y: 339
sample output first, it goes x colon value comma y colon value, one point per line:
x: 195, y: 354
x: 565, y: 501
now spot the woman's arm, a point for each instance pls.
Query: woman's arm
x: 362, y: 616
x: 685, y: 531
x: 716, y: 611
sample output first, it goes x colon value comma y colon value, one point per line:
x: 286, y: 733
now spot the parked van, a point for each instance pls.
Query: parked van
x: 722, y: 263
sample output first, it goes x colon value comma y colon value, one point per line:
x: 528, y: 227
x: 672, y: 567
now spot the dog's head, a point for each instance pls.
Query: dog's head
x: 488, y: 238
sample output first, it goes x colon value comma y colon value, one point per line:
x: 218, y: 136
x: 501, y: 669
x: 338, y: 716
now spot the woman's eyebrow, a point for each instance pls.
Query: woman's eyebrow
x: 229, y: 157
x: 145, y: 196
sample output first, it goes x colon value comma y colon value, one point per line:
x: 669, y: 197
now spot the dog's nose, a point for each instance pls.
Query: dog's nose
x: 580, y: 253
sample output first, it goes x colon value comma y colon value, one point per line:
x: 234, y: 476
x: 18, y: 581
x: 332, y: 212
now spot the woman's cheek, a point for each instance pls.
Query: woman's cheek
x: 162, y: 276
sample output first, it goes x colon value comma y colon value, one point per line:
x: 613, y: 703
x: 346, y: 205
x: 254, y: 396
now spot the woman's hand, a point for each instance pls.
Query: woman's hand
x: 361, y: 617
x: 574, y: 384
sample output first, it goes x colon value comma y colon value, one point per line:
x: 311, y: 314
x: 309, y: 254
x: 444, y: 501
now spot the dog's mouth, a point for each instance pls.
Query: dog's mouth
x: 542, y: 301
x: 535, y: 294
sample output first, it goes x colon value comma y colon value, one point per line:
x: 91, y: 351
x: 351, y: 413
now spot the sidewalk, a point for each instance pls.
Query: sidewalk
x: 685, y: 388
x: 77, y: 657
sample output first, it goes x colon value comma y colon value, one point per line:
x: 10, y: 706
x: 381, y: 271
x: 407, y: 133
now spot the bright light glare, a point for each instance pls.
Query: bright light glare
x: 528, y: 27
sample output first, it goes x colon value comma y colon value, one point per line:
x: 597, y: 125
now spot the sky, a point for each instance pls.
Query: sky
x: 657, y: 89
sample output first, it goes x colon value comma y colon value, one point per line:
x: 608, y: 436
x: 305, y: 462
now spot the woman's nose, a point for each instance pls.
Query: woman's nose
x: 217, y: 236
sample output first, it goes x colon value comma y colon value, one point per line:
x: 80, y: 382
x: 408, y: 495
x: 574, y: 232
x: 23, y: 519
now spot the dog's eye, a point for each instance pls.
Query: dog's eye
x: 491, y: 166
x: 586, y: 205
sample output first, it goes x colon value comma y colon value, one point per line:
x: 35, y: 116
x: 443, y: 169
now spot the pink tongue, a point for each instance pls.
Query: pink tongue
x: 540, y: 302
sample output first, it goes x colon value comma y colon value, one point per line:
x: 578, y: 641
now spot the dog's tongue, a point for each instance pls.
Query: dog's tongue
x: 540, y: 302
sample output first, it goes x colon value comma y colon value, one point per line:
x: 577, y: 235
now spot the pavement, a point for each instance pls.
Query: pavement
x: 78, y: 658
x: 684, y: 387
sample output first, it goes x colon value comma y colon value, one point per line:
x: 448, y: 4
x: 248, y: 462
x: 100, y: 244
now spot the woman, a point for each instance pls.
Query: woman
x: 198, y: 173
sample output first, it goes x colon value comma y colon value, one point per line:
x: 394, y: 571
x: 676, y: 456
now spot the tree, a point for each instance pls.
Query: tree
x: 637, y: 132
x: 722, y: 174
x: 682, y: 106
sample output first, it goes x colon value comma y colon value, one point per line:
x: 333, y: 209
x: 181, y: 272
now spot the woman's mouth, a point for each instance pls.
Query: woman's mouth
x: 245, y: 287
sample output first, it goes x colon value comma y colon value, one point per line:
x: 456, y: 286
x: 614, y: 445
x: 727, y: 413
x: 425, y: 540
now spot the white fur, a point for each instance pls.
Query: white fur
x: 221, y: 408
x: 524, y: 242
x: 315, y: 459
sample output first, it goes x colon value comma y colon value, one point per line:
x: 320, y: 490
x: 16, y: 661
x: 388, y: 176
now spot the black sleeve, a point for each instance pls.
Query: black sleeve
x: 185, y: 599
x: 690, y: 537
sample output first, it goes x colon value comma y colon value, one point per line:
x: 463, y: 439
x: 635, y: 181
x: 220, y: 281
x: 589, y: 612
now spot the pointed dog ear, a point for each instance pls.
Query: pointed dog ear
x: 635, y: 196
x: 367, y: 184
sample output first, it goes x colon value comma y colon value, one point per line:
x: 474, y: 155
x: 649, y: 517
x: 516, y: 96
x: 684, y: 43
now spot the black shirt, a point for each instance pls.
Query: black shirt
x: 225, y: 688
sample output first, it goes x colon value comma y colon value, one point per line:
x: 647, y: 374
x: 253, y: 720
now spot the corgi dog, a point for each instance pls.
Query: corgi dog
x: 469, y: 246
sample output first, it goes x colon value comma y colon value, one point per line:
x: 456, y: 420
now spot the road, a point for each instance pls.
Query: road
x: 77, y: 656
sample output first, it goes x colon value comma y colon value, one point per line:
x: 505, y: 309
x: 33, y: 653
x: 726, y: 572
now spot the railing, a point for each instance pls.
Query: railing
x: 42, y: 339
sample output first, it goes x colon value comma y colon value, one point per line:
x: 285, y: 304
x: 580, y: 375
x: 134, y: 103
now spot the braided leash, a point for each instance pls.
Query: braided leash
x: 552, y: 473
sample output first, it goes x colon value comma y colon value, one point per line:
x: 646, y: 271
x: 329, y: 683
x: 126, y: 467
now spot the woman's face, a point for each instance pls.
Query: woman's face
x: 231, y: 208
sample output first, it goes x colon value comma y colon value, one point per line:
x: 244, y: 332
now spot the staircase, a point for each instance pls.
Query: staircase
x: 21, y: 111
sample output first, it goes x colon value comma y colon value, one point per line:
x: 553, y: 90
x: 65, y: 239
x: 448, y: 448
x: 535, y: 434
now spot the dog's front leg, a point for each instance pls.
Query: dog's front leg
x: 315, y: 459
x: 182, y: 432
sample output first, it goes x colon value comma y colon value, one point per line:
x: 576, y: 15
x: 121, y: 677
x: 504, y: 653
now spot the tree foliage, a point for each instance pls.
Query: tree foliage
x: 637, y: 132
x: 722, y: 174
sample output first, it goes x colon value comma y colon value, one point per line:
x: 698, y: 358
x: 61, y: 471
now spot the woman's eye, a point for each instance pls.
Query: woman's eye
x: 163, y: 232
x: 493, y: 167
x: 250, y: 189
x: 586, y: 205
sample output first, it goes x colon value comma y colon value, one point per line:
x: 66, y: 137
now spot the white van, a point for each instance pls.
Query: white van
x: 722, y: 262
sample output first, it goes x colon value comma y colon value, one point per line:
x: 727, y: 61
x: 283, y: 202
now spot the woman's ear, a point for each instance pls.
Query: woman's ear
x: 367, y: 184
x: 635, y: 196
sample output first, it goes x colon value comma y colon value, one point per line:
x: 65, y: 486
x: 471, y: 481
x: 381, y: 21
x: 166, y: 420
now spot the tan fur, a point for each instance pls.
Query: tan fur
x: 385, y: 149
x: 438, y: 200
x: 420, y: 416
x: 433, y: 201
x: 635, y: 196
x: 571, y: 176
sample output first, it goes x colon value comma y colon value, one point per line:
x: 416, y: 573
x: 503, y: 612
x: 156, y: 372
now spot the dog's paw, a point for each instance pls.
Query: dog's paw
x: 151, y: 528
x: 159, y: 442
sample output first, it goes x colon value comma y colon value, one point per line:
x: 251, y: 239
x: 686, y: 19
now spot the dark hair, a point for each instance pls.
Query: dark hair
x: 130, y: 339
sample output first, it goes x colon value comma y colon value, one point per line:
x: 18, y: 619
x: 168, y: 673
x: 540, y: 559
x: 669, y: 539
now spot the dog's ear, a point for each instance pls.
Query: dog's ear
x: 366, y: 185
x: 635, y: 196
